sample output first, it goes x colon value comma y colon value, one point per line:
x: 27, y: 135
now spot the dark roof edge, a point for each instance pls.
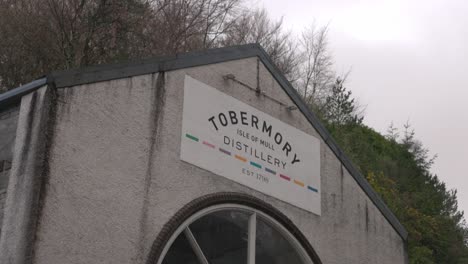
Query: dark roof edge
x: 117, y: 71
x: 166, y: 63
x: 312, y: 118
x: 12, y: 97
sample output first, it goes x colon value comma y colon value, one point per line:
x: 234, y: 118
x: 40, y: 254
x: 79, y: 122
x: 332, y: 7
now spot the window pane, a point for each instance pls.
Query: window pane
x: 180, y: 252
x: 272, y: 247
x: 223, y: 236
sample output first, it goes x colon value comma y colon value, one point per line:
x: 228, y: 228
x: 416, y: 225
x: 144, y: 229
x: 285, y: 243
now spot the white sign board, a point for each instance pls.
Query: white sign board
x: 234, y: 140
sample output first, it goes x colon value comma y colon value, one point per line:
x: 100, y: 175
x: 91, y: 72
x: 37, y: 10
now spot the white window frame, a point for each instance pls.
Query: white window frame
x: 252, y: 226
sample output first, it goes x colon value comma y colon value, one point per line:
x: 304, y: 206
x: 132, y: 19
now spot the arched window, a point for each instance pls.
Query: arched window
x: 230, y: 233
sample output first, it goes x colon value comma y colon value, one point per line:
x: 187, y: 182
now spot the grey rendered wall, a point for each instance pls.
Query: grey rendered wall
x: 115, y: 175
x: 2, y: 206
x: 28, y: 170
x: 8, y: 123
x: 99, y: 172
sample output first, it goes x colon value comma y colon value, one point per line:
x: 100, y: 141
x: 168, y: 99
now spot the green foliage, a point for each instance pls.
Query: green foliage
x: 340, y: 108
x: 399, y: 172
x: 421, y: 255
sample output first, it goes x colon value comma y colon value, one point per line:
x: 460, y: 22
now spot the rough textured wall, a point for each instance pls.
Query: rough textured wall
x: 5, y: 167
x: 99, y: 166
x: 8, y: 123
x: 2, y: 206
x: 22, y: 207
x: 116, y: 177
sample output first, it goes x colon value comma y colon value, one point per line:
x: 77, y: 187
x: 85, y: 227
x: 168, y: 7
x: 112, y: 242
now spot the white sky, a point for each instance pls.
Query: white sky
x: 409, y: 61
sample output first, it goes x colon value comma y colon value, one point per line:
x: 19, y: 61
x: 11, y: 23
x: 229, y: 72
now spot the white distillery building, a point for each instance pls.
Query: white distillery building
x: 204, y: 157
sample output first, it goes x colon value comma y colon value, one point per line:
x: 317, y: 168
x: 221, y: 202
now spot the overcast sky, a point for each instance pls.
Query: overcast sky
x: 409, y: 61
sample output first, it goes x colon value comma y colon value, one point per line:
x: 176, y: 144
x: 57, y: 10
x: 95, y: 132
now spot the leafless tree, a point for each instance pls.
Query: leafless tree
x: 21, y: 35
x: 316, y: 72
x: 37, y: 36
x: 184, y: 25
x: 94, y: 31
x: 255, y: 26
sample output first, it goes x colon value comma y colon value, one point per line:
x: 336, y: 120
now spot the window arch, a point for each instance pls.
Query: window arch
x: 230, y: 228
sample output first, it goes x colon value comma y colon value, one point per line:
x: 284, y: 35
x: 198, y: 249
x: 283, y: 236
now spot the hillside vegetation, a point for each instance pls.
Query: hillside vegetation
x: 398, y: 168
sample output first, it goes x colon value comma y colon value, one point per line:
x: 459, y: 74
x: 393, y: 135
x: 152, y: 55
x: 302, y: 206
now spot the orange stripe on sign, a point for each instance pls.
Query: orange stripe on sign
x: 240, y: 158
x: 299, y: 183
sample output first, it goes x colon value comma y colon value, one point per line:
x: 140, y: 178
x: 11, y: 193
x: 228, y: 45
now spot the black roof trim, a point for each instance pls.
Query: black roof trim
x: 326, y: 136
x: 117, y: 71
x: 166, y: 63
x: 13, y: 97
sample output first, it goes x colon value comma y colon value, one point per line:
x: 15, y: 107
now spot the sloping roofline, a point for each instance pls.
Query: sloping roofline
x: 99, y: 73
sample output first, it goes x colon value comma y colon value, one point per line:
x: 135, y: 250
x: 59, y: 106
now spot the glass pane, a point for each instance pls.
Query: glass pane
x: 180, y: 252
x: 223, y: 236
x: 272, y: 247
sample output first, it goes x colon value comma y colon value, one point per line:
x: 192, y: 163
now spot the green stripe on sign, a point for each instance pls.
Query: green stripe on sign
x: 255, y: 164
x: 192, y: 137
